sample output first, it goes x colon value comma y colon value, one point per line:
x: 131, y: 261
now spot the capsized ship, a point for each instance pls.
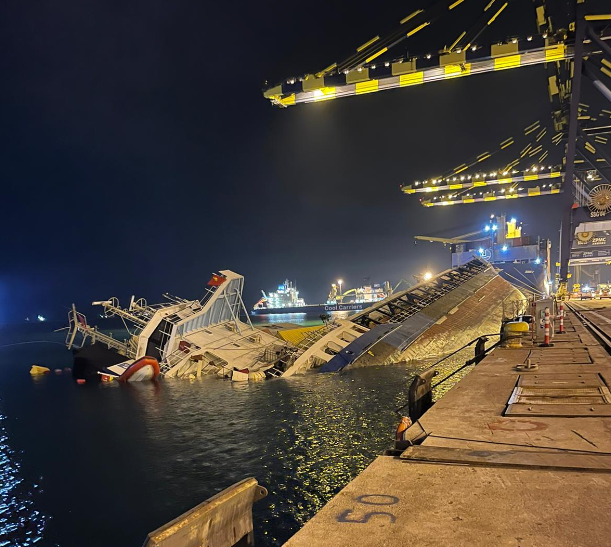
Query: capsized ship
x: 287, y: 300
x: 213, y: 335
x: 432, y: 318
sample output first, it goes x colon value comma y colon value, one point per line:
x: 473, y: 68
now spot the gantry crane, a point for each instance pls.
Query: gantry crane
x: 571, y: 42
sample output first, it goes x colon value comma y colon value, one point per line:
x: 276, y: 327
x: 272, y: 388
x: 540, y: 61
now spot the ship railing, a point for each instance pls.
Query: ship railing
x: 431, y: 292
x: 77, y: 324
x: 316, y: 335
x: 177, y: 356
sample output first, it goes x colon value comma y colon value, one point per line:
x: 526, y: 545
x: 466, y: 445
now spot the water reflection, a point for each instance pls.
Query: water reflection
x: 21, y: 524
x: 119, y: 461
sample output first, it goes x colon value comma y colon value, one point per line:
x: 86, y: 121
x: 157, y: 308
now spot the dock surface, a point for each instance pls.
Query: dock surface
x: 512, y: 458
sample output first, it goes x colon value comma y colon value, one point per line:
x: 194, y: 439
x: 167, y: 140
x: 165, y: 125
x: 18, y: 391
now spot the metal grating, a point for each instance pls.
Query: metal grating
x: 600, y: 400
x: 398, y: 308
x: 562, y: 394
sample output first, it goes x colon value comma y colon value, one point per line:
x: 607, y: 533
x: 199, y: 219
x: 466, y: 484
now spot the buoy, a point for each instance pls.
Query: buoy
x: 38, y: 371
x: 105, y: 378
x: 81, y: 381
x: 58, y: 371
x: 402, y: 428
x: 67, y: 369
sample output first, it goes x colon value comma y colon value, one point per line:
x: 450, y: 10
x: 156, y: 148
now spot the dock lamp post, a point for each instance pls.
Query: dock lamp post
x: 340, y: 283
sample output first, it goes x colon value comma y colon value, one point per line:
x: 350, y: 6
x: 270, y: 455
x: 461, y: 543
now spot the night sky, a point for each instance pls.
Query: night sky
x: 137, y: 154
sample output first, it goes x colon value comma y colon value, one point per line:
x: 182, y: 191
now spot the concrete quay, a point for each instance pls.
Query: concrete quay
x: 511, y: 458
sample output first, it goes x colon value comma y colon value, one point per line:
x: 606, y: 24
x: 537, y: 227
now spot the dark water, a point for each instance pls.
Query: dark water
x: 103, y: 465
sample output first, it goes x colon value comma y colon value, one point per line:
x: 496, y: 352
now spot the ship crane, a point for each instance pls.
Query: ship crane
x: 571, y: 42
x: 449, y: 240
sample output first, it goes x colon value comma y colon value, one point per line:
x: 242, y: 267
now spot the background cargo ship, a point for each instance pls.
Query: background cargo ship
x: 523, y: 260
x: 286, y: 299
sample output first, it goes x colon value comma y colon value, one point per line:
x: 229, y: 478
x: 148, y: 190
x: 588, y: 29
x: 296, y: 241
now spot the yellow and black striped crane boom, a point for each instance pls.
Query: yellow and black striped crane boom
x: 386, y: 75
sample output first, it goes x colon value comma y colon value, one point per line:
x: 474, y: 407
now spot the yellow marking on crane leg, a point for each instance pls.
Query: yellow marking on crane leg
x: 529, y: 131
x: 367, y: 44
x: 411, y: 79
x: 324, y: 94
x: 555, y: 53
x: 287, y: 101
x: 372, y: 57
x: 406, y: 19
x: 602, y: 17
x: 452, y: 6
x: 413, y: 31
x: 509, y: 61
x: 324, y: 71
x: 458, y: 40
x: 497, y: 13
x: 453, y: 71
x: 366, y: 87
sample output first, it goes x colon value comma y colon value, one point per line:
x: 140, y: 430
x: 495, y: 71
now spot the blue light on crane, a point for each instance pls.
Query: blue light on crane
x: 494, y: 227
x: 481, y: 250
x: 504, y: 247
x: 538, y: 260
x: 487, y: 228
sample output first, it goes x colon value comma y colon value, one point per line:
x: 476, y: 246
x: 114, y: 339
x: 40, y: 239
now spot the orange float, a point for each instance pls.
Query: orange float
x: 138, y: 370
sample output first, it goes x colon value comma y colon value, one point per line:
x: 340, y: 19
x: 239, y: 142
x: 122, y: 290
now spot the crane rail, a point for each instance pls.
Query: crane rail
x: 598, y: 333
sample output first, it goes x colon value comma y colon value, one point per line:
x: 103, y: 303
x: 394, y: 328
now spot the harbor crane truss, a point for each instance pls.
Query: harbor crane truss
x: 571, y: 42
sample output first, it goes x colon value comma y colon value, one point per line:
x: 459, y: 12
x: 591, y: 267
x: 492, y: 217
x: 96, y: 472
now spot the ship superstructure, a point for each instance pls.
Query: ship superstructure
x: 359, y: 295
x: 286, y: 296
x: 211, y: 335
x: 523, y: 260
x: 286, y: 299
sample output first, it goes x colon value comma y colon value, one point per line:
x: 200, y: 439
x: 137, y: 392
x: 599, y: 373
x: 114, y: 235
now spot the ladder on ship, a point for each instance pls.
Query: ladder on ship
x: 313, y: 337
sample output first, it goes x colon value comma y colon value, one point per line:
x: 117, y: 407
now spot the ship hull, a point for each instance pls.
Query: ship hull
x: 528, y: 277
x: 474, y: 308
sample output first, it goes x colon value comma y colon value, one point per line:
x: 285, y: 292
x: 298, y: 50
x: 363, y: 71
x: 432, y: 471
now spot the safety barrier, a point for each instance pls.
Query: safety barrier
x: 224, y: 520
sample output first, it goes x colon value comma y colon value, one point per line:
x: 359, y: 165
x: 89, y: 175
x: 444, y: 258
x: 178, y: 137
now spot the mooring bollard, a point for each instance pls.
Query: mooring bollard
x: 561, y: 328
x: 546, y: 343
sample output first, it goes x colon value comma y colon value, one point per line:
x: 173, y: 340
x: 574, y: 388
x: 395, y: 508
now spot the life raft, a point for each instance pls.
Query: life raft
x: 145, y: 368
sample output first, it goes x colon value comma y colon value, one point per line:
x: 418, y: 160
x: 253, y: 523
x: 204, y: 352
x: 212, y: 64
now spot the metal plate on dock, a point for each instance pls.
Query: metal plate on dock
x: 558, y: 356
x: 569, y: 398
x: 560, y: 380
x: 600, y: 400
x: 559, y: 411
